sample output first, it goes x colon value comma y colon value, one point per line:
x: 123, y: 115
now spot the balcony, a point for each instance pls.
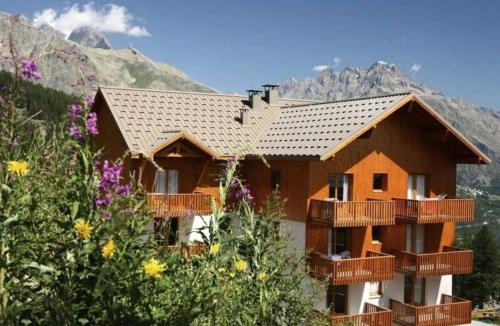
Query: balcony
x: 372, y: 315
x: 178, y: 205
x: 434, y: 210
x: 451, y: 261
x: 351, y: 213
x: 375, y: 266
x: 451, y: 311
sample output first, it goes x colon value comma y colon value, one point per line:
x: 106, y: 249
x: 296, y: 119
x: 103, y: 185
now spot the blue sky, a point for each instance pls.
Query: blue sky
x: 236, y: 45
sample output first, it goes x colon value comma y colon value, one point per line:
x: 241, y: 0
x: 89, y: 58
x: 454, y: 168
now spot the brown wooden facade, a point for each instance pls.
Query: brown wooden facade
x: 395, y: 148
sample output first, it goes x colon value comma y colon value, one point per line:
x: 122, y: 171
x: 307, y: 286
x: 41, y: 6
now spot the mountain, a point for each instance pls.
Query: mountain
x: 90, y: 38
x: 480, y: 125
x: 62, y: 61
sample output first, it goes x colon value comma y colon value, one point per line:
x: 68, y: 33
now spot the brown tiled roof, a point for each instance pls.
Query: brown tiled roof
x: 314, y: 129
x: 146, y: 117
x: 152, y: 119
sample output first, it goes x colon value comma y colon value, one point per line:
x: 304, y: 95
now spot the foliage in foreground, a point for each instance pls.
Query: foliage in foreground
x: 75, y: 250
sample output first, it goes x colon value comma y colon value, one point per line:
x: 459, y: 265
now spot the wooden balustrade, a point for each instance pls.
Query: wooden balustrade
x: 351, y: 213
x: 374, y: 267
x: 372, y: 316
x: 178, y: 205
x: 451, y: 311
x: 434, y: 210
x: 188, y: 251
x: 451, y: 261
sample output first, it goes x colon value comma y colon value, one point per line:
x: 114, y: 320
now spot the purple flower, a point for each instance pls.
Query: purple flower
x: 105, y: 200
x: 92, y: 124
x: 106, y: 216
x: 234, y: 183
x: 189, y: 213
x: 75, y: 111
x: 89, y: 100
x: 75, y: 133
x: 110, y: 176
x: 123, y: 190
x: 29, y: 69
x: 14, y: 142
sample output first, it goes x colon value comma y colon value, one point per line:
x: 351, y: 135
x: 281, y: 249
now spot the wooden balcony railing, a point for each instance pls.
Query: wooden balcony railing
x: 451, y: 261
x: 434, y: 210
x: 372, y: 316
x: 451, y: 311
x: 375, y: 266
x: 351, y: 213
x: 178, y: 205
x: 189, y: 251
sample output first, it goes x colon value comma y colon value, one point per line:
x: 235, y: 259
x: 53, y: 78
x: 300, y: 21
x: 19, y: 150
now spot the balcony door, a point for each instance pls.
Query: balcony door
x: 415, y: 238
x: 338, y: 241
x: 336, y: 299
x: 339, y: 186
x: 416, y: 186
x: 167, y: 181
x: 414, y: 291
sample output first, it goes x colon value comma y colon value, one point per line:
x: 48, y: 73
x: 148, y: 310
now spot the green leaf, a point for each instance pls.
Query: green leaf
x: 42, y: 268
x: 10, y: 220
x: 74, y: 209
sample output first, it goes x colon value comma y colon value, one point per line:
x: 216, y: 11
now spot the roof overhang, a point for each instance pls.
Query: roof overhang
x: 181, y: 135
x: 474, y: 155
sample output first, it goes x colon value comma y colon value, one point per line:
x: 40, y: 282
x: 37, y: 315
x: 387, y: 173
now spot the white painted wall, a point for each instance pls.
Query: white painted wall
x: 435, y: 287
x: 393, y: 289
x: 297, y: 232
x: 188, y: 228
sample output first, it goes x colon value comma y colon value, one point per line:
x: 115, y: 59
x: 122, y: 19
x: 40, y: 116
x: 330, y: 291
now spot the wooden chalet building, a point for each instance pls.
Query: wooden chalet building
x: 370, y: 184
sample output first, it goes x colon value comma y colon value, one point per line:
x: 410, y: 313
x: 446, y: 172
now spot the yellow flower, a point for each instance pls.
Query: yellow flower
x: 153, y: 268
x: 82, y: 229
x: 215, y: 248
x: 262, y: 276
x: 241, y: 265
x: 108, y: 250
x: 232, y: 274
x: 18, y: 167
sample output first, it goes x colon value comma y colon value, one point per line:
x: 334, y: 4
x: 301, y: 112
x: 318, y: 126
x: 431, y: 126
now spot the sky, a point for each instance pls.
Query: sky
x: 451, y: 45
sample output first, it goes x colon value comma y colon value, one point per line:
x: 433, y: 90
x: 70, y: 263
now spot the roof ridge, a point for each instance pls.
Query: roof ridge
x: 352, y: 99
x: 199, y: 93
x: 170, y: 91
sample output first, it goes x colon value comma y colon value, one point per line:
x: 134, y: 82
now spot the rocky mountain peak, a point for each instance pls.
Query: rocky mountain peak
x: 90, y: 38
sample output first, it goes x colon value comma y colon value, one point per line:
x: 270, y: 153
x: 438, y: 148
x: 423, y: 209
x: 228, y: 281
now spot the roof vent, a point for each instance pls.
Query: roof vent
x: 244, y: 116
x: 255, y: 99
x: 271, y: 93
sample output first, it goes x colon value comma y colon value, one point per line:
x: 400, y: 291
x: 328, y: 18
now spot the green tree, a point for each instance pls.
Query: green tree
x: 483, y: 285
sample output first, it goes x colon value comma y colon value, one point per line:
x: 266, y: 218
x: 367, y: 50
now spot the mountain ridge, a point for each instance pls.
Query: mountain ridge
x: 62, y: 62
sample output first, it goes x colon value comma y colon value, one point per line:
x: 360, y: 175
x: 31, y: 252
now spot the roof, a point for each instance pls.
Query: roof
x: 146, y: 117
x: 313, y: 130
x: 150, y: 120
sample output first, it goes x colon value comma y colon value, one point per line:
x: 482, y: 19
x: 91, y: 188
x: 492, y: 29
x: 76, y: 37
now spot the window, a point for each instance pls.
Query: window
x: 336, y: 299
x: 166, y: 231
x: 380, y: 182
x: 339, y: 186
x: 375, y: 289
x: 275, y: 180
x: 414, y: 290
x: 376, y: 233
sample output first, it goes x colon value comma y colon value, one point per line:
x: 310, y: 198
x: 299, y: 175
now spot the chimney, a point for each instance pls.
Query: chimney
x: 244, y: 117
x: 255, y: 99
x: 271, y: 93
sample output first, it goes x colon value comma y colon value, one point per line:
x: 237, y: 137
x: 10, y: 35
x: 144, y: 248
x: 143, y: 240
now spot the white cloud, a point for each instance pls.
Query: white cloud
x: 416, y: 67
x: 337, y: 61
x: 320, y: 68
x: 108, y: 19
